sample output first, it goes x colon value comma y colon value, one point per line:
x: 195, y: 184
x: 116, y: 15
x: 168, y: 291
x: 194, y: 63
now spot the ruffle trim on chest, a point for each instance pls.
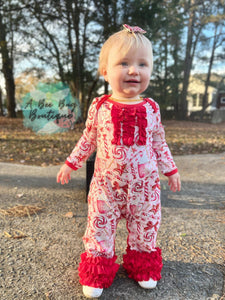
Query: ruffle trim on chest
x: 125, y: 118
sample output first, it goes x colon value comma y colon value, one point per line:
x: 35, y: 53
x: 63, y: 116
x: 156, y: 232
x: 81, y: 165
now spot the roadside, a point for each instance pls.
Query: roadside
x: 40, y: 253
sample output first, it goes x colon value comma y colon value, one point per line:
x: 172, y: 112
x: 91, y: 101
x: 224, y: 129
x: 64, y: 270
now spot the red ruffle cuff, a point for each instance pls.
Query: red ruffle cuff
x: 98, y: 272
x: 141, y: 266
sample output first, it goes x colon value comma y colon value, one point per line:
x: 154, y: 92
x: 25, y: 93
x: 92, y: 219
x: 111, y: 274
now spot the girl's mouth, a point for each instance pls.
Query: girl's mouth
x: 132, y: 81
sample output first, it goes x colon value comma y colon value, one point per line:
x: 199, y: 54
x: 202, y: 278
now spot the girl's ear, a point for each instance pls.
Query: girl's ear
x: 104, y: 73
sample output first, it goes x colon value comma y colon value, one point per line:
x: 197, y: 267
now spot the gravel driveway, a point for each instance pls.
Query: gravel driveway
x: 40, y: 253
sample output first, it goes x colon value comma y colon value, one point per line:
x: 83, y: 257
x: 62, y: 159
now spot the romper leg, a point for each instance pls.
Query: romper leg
x: 97, y: 267
x: 143, y: 259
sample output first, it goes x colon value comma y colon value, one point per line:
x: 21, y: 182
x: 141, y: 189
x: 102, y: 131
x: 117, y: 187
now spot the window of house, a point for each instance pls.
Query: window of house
x: 201, y: 99
x: 194, y: 100
x: 222, y: 100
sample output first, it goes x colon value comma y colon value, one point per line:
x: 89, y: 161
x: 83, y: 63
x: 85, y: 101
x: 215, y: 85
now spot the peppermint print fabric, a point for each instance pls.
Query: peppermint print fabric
x: 126, y: 179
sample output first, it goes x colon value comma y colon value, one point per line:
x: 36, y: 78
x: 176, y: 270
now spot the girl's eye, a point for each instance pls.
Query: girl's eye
x: 123, y: 63
x: 142, y: 64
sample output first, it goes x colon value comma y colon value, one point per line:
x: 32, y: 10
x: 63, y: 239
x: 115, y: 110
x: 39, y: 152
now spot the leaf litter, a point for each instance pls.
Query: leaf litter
x: 21, y: 211
x: 23, y: 146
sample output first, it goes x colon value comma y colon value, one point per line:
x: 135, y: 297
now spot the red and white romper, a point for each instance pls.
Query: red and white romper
x: 131, y: 147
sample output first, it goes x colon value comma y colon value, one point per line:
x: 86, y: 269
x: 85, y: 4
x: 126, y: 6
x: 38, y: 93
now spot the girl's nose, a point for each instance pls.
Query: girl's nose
x: 133, y: 70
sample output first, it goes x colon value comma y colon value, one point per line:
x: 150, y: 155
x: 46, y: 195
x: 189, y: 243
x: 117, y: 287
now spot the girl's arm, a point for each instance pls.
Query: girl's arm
x: 88, y: 141
x: 83, y: 149
x: 164, y: 157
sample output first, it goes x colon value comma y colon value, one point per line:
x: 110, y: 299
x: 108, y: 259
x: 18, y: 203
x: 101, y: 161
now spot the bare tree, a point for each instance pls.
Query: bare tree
x: 199, y: 12
x: 7, y: 65
x: 60, y: 34
x: 194, y: 28
x: 218, y: 40
x: 1, y: 104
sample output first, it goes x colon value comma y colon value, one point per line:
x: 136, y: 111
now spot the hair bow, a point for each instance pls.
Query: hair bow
x: 134, y: 29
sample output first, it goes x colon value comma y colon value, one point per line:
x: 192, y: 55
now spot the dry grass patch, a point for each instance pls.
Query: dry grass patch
x: 21, y: 211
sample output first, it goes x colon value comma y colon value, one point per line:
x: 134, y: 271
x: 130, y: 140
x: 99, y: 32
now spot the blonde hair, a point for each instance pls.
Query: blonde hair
x: 124, y: 41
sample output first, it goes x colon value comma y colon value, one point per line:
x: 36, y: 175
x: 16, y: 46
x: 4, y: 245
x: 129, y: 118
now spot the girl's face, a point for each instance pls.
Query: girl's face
x: 128, y: 74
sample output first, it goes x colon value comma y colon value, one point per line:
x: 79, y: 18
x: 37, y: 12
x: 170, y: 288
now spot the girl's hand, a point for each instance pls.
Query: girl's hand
x: 174, y: 182
x: 63, y: 175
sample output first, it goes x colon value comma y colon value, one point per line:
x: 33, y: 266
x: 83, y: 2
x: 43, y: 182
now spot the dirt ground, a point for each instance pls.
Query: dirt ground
x: 40, y: 253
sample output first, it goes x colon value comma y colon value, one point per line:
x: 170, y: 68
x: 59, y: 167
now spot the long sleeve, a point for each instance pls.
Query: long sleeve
x: 164, y: 157
x: 88, y: 141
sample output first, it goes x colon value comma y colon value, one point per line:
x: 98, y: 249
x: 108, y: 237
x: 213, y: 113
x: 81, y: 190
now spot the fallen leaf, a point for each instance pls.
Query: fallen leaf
x: 17, y: 234
x: 69, y: 215
x: 20, y: 195
x: 183, y: 234
x: 7, y: 234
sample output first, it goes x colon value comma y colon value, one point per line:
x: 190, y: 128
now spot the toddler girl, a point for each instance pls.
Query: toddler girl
x: 127, y: 132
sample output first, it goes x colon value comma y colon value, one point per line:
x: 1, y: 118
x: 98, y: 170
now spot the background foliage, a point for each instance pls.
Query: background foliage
x: 65, y: 37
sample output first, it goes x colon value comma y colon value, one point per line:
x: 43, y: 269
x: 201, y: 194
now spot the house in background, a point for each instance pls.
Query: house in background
x: 215, y: 111
x: 196, y: 91
x: 220, y: 104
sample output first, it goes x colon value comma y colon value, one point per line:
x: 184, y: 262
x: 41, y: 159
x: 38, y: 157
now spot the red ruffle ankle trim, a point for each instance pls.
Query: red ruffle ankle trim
x: 141, y: 266
x: 97, y: 272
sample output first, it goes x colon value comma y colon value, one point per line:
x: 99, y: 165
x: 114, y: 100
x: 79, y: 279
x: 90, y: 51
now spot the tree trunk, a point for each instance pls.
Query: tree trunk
x: 204, y: 100
x: 187, y: 64
x: 1, y: 104
x: 77, y: 56
x: 176, y: 79
x: 89, y: 99
x: 165, y: 80
x: 7, y: 69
